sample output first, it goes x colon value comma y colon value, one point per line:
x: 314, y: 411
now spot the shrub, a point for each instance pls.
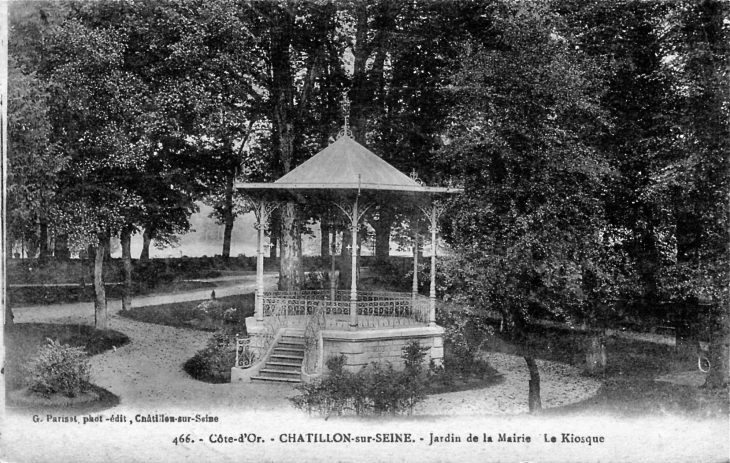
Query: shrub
x: 209, y: 309
x: 213, y: 363
x: 60, y: 368
x: 415, y: 378
x: 464, y: 337
x: 332, y: 395
x: 377, y: 389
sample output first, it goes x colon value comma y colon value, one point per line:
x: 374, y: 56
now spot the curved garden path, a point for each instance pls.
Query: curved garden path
x: 147, y: 373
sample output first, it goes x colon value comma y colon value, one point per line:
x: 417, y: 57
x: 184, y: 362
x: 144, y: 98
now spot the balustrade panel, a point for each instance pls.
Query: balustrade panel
x: 396, y: 308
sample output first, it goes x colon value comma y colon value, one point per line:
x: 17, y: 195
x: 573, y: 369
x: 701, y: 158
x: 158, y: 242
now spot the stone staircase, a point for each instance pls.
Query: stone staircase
x: 284, y: 365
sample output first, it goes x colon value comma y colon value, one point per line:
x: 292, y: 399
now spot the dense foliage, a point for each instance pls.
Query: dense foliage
x: 590, y: 138
x: 374, y: 390
x: 213, y: 363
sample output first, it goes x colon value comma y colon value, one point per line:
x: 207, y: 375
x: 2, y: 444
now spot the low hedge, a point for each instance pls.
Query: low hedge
x: 377, y: 389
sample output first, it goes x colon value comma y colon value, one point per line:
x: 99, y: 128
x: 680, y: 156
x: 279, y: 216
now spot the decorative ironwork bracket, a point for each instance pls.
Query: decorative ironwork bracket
x: 414, y: 177
x: 263, y: 209
x: 245, y: 356
x: 349, y: 208
x: 433, y: 213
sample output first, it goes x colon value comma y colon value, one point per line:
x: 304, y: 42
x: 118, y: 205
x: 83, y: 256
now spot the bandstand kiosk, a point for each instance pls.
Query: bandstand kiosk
x: 293, y: 333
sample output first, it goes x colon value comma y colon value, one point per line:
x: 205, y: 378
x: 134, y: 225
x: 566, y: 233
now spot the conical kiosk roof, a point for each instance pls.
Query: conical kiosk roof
x: 343, y: 166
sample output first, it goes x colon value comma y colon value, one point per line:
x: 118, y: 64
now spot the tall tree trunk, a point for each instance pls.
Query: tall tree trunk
x: 100, y: 310
x: 533, y: 396
x: 44, y: 253
x: 596, y: 353
x: 300, y: 267
x: 687, y: 342
x: 345, y: 259
x: 146, y: 241
x: 61, y: 251
x: 8, y: 311
x: 324, y: 243
x: 382, y: 228
x: 289, y: 277
x: 719, y: 356
x: 283, y: 118
x: 359, y: 254
x: 273, y: 250
x: 31, y: 246
x: 126, y: 239
x: 289, y: 106
x: 715, y: 130
x: 370, y: 55
x: 359, y: 93
x: 228, y: 216
x: 85, y: 256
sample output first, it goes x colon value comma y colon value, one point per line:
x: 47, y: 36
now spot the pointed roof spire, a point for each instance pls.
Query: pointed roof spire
x: 346, y: 165
x: 346, y: 132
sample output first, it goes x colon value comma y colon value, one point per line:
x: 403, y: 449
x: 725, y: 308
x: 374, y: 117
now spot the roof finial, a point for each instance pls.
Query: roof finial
x: 346, y: 110
x: 414, y: 177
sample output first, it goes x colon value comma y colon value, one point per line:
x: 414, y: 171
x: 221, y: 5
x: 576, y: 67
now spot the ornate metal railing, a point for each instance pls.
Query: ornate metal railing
x: 277, y: 318
x: 245, y: 356
x: 374, y: 308
x: 316, y: 323
x: 314, y: 310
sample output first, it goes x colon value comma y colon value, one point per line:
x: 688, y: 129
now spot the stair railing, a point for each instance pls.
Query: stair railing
x: 276, y: 319
x: 245, y: 356
x: 315, y: 324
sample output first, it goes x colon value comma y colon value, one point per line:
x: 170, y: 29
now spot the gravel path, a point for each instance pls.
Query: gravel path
x: 560, y: 384
x: 147, y: 373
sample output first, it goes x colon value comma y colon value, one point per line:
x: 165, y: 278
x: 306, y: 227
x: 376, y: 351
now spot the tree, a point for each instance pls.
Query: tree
x: 403, y: 55
x: 181, y: 84
x: 96, y: 116
x: 695, y: 187
x: 666, y: 72
x: 530, y: 225
x: 298, y: 40
x: 222, y: 58
x: 33, y: 160
x: 625, y: 38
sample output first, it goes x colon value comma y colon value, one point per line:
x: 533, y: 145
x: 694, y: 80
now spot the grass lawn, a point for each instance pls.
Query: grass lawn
x: 211, y: 364
x: 23, y: 340
x: 629, y: 387
x: 185, y: 315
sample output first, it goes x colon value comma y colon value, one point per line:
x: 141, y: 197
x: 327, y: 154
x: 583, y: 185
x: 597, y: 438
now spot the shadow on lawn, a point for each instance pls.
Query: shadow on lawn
x: 629, y: 388
x: 46, y: 295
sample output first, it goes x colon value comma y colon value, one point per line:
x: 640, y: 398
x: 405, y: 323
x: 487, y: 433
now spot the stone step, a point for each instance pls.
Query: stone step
x: 288, y: 350
x: 292, y: 340
x: 285, y: 365
x: 270, y: 379
x: 287, y: 356
x: 291, y: 345
x: 278, y: 373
